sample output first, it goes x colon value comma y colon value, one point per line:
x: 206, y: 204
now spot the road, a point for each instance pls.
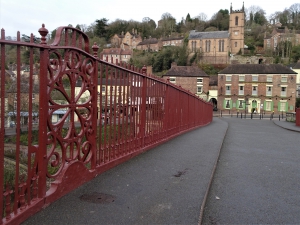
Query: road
x: 257, y: 177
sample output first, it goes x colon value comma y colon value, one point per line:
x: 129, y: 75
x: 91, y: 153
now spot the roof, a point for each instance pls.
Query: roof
x: 149, y: 41
x: 296, y: 65
x: 116, y: 51
x: 257, y: 69
x: 172, y: 38
x: 186, y: 71
x: 208, y: 35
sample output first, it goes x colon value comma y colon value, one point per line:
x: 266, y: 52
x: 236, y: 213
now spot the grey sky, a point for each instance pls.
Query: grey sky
x: 28, y: 16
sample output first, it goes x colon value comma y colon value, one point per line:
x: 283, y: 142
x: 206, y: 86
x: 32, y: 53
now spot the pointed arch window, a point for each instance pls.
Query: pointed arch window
x: 221, y: 45
x: 236, y: 20
x: 207, y: 46
x: 193, y: 46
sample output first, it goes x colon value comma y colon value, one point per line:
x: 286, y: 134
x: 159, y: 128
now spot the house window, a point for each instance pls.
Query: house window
x: 283, y: 91
x: 268, y: 43
x: 235, y: 44
x: 173, y: 80
x: 254, y: 78
x: 254, y: 90
x: 269, y: 78
x: 228, y: 90
x: 228, y: 78
x: 33, y: 96
x: 241, y: 90
x: 241, y: 78
x: 15, y: 95
x: 200, y: 80
x: 15, y: 105
x: 282, y: 106
x: 268, y: 106
x: 269, y: 91
x: 103, y: 88
x: 236, y: 20
x: 199, y: 89
x: 283, y: 78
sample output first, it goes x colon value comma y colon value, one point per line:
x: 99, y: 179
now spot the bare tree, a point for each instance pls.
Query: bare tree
x: 295, y: 13
x: 202, y: 17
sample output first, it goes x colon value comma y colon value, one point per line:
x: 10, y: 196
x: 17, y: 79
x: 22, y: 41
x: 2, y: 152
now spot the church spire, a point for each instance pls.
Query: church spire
x: 231, y: 7
x: 243, y: 8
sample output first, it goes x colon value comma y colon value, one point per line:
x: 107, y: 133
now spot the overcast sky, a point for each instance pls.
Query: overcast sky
x: 27, y: 16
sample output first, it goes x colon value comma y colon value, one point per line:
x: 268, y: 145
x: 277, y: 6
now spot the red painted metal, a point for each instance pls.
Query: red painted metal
x: 108, y: 113
x: 298, y: 117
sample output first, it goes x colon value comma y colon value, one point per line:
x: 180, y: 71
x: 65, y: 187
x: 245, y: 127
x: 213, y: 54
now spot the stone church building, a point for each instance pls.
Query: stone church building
x: 216, y: 47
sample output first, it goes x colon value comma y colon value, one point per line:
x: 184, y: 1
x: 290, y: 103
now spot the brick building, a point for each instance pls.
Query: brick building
x: 265, y: 88
x: 127, y: 41
x: 150, y: 45
x: 296, y: 67
x: 172, y: 41
x: 191, y: 78
x: 114, y: 54
x: 279, y: 36
x: 215, y: 47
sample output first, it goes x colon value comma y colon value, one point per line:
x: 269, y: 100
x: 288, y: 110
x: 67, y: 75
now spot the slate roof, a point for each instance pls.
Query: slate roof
x: 186, y: 71
x: 116, y: 51
x: 208, y: 35
x: 172, y: 38
x: 257, y: 69
x: 149, y: 41
x: 296, y: 65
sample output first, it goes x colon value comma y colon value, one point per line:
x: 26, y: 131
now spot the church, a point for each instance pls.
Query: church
x: 216, y: 47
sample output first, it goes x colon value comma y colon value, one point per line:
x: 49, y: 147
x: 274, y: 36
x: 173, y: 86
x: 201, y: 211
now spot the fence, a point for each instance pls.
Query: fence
x: 67, y: 116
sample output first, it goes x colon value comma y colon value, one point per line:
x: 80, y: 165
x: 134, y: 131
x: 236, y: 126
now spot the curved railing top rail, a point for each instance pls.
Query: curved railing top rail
x: 75, y: 35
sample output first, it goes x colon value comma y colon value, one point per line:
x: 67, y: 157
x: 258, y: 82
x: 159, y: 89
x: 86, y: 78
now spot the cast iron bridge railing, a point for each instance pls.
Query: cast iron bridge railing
x: 82, y: 115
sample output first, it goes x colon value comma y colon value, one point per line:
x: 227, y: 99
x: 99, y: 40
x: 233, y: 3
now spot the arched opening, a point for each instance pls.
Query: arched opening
x: 236, y: 20
x: 215, y: 103
x: 260, y: 61
x: 254, y: 106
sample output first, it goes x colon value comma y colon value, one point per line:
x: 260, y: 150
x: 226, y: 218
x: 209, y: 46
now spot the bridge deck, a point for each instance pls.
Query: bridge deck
x: 166, y: 185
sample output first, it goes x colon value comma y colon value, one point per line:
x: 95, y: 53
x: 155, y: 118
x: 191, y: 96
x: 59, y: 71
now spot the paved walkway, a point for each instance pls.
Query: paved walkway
x: 257, y: 177
x: 166, y: 185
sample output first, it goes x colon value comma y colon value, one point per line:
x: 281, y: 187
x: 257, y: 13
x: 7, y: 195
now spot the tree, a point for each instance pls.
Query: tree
x: 100, y: 27
x: 188, y: 18
x: 220, y: 20
x: 295, y: 12
x: 255, y: 14
x: 168, y: 24
x: 295, y: 55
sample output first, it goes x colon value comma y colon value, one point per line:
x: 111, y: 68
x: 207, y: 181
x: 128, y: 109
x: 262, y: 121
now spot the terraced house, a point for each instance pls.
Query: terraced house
x: 257, y: 88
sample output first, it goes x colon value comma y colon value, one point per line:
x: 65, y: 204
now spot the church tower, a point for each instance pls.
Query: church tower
x: 236, y: 30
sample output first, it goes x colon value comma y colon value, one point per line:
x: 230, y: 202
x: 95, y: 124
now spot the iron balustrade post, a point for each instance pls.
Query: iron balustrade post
x: 43, y: 117
x: 143, y: 108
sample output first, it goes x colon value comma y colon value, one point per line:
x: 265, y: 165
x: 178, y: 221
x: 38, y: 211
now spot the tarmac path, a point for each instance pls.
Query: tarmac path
x: 257, y: 176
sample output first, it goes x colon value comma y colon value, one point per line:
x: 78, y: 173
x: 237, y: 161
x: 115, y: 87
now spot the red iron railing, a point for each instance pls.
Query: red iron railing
x: 67, y: 115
